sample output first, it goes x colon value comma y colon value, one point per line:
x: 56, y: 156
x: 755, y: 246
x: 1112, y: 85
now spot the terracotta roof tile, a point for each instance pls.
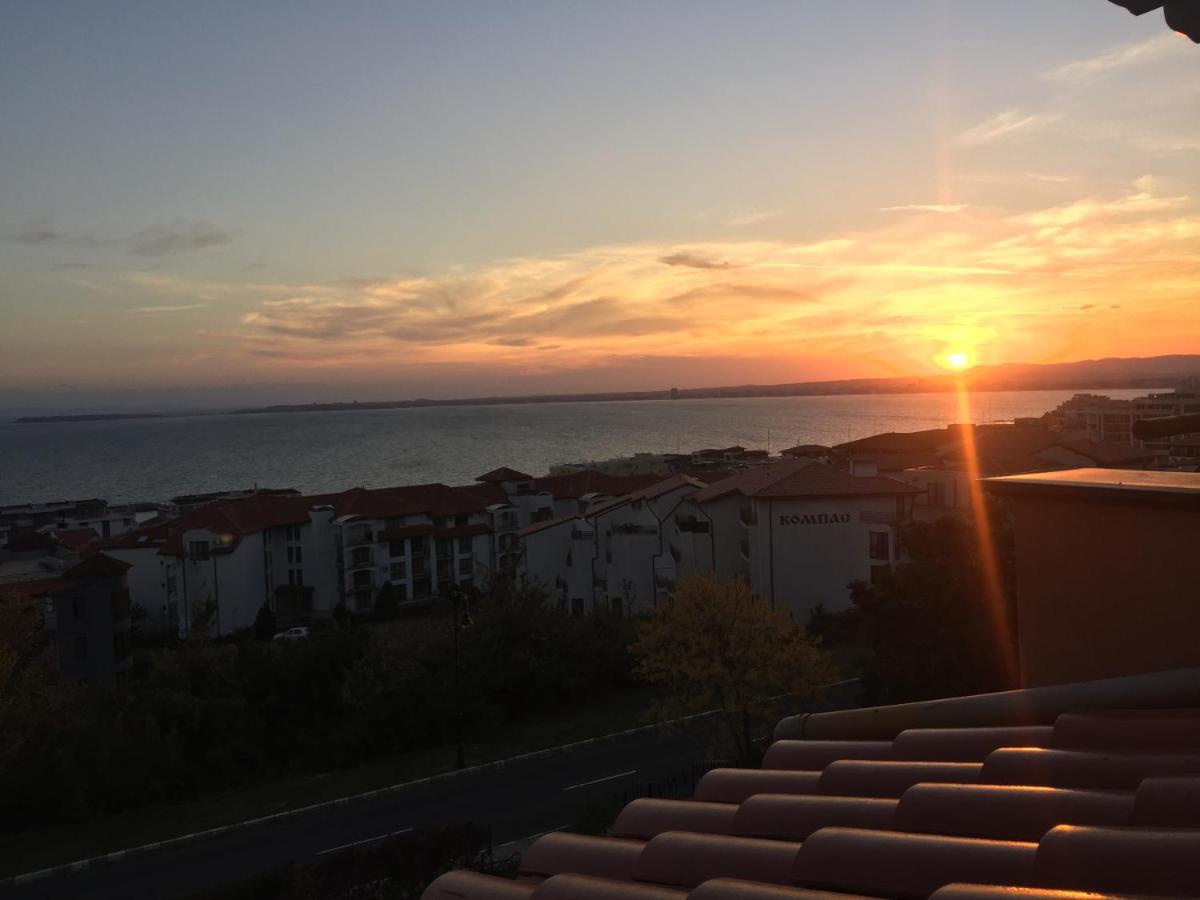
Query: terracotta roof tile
x: 801, y: 478
x: 504, y: 473
x: 1100, y: 801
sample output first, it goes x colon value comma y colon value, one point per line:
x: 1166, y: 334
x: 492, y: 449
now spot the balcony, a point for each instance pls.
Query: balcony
x: 363, y: 580
x: 356, y: 537
x: 361, y: 558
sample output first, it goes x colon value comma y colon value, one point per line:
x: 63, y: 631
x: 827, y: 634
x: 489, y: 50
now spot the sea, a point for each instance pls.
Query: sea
x: 129, y: 460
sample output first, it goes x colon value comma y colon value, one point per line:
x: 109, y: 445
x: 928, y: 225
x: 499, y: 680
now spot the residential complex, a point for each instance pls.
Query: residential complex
x: 799, y: 528
x: 1106, y: 420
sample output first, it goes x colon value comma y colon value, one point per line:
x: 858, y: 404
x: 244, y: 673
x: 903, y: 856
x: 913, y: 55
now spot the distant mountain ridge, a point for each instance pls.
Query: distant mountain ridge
x: 1113, y: 373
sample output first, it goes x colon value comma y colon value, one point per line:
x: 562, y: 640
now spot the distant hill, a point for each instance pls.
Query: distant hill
x: 1113, y: 373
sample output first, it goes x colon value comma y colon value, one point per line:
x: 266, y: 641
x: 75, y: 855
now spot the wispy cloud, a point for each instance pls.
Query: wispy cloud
x: 177, y: 237
x: 885, y: 294
x: 160, y: 240
x: 159, y: 310
x: 1158, y: 47
x: 746, y: 217
x: 694, y: 261
x: 1004, y: 125
x: 927, y: 207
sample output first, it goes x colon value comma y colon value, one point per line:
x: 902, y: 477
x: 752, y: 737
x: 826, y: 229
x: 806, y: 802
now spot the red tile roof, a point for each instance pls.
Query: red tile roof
x: 590, y: 481
x: 899, y: 441
x: 34, y: 587
x: 805, y: 450
x: 1100, y: 801
x: 504, y: 473
x: 801, y: 478
x: 98, y: 565
x: 548, y: 523
x: 262, y: 511
x: 77, y: 539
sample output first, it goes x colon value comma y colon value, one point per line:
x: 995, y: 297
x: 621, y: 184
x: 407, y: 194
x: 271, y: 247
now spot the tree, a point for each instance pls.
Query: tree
x: 715, y: 645
x: 387, y: 604
x: 265, y: 625
x: 930, y: 623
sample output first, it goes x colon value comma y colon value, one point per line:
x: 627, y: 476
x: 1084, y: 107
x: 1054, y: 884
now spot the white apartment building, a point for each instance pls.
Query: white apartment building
x: 610, y: 556
x: 799, y: 531
x: 217, y: 566
x: 421, y: 540
x: 1181, y: 448
x: 1096, y: 417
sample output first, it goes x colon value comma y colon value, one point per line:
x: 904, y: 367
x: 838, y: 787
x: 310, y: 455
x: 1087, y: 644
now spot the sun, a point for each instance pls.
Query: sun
x: 957, y: 360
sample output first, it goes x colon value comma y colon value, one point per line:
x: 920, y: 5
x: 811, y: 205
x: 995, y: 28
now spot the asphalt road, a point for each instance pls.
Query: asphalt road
x: 518, y: 801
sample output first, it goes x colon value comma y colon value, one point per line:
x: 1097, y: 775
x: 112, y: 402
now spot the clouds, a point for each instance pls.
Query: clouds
x: 694, y: 261
x: 179, y: 236
x: 885, y: 297
x: 166, y: 308
x: 1004, y: 125
x: 1159, y: 47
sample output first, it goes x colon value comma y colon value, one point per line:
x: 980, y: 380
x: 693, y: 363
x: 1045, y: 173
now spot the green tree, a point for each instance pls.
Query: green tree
x: 714, y: 645
x: 934, y: 625
x: 387, y: 604
x: 265, y: 625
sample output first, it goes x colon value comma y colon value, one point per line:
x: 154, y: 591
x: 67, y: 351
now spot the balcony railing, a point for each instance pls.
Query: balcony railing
x: 356, y: 538
x: 362, y: 560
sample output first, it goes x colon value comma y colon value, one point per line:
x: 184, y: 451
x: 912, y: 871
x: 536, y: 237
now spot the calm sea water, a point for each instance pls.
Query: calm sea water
x: 152, y: 459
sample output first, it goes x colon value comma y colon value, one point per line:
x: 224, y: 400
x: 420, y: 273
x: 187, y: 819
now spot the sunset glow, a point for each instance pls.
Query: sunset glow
x: 1018, y: 201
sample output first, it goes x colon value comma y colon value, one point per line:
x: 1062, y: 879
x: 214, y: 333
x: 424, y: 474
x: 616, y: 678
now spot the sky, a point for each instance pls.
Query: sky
x: 281, y: 201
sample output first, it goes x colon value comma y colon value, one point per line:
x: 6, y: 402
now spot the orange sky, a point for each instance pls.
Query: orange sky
x: 965, y: 185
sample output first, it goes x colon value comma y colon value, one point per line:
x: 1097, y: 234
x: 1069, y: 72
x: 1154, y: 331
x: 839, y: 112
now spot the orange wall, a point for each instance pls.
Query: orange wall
x: 1105, y: 589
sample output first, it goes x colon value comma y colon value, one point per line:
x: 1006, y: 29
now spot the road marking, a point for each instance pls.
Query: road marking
x: 531, y: 837
x: 599, y: 780
x: 370, y: 840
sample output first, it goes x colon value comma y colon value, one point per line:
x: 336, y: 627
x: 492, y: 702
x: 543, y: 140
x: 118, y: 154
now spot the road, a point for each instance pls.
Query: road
x: 524, y: 798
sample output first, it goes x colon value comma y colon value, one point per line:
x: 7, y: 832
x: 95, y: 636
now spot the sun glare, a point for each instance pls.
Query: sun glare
x: 957, y: 360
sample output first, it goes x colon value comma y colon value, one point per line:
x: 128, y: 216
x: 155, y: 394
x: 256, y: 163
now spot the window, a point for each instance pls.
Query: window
x: 937, y: 494
x: 464, y: 545
x: 398, y: 572
x: 291, y: 554
x: 879, y: 545
x: 577, y: 606
x: 617, y: 606
x: 418, y: 565
x: 170, y: 584
x: 120, y: 646
x: 395, y: 548
x: 198, y: 549
x: 460, y: 521
x: 77, y: 607
x: 445, y: 548
x: 81, y: 647
x: 292, y: 532
x: 465, y: 566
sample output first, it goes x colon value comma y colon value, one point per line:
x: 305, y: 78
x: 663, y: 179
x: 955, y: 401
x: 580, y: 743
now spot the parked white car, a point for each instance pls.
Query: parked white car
x: 299, y: 633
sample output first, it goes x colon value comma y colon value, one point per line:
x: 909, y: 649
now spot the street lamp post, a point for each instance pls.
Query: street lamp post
x: 459, y: 755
